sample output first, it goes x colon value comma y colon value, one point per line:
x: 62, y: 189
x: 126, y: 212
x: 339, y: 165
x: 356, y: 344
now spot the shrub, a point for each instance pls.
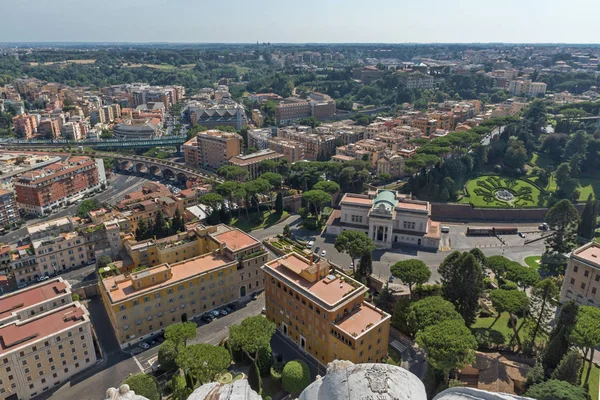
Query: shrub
x: 295, y: 376
x: 275, y: 374
x: 144, y: 385
x: 265, y: 361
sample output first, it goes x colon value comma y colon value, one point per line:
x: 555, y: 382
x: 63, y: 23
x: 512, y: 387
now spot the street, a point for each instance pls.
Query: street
x: 119, y: 186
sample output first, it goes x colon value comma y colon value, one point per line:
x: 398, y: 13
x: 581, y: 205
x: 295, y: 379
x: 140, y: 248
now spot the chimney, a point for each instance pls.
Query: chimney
x: 318, y: 270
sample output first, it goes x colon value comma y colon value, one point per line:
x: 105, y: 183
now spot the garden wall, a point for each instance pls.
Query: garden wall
x: 466, y: 213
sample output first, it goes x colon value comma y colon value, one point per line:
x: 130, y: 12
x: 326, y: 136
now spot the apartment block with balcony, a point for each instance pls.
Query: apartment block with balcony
x: 190, y: 153
x: 582, y: 278
x: 62, y: 252
x: 9, y: 212
x: 46, y: 339
x: 259, y: 138
x: 58, y: 184
x: 216, y: 148
x: 323, y: 311
x: 292, y: 150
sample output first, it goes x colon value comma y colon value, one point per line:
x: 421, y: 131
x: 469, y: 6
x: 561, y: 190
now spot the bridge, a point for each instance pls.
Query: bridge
x: 173, y: 140
x: 157, y: 167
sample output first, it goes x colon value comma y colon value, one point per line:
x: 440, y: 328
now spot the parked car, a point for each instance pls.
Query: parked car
x: 229, y: 310
x: 43, y: 278
x: 223, y: 312
x: 207, y: 318
x: 233, y: 306
x: 323, y: 253
x: 310, y: 244
x: 254, y: 296
x: 21, y: 285
x: 521, y: 234
x: 214, y: 313
x: 317, y: 250
x: 391, y: 279
x: 144, y: 345
x: 263, y: 311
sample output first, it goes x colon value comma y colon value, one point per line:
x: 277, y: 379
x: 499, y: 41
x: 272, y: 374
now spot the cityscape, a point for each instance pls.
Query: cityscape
x: 299, y: 221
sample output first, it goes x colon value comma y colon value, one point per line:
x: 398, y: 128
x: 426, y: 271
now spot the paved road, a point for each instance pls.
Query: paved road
x: 120, y: 185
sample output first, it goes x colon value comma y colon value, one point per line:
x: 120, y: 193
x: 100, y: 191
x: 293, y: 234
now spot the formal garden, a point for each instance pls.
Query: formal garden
x: 498, y: 191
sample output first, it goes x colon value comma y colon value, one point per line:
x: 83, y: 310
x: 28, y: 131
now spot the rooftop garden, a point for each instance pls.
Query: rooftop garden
x: 108, y: 271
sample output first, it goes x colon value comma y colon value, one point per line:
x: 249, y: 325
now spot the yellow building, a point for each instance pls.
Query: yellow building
x: 323, y: 311
x: 582, y: 277
x: 189, y: 274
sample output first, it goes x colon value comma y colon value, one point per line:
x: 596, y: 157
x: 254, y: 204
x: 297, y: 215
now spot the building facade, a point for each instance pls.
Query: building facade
x: 215, y: 148
x: 9, y: 212
x: 387, y: 218
x: 144, y: 303
x: 582, y: 278
x: 57, y: 184
x: 46, y: 339
x: 292, y: 150
x: 190, y: 153
x: 323, y: 312
x: 251, y: 162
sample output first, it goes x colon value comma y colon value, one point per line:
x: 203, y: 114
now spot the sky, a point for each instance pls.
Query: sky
x: 301, y: 21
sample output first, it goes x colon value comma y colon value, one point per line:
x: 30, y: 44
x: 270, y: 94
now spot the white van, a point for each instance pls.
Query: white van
x: 310, y: 244
x: 445, y: 229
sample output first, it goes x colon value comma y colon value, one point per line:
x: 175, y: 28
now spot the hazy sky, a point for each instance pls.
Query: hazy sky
x: 244, y: 21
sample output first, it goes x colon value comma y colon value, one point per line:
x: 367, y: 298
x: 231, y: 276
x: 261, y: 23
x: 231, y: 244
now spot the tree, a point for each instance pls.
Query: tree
x: 317, y: 198
x: 569, y: 368
x: 462, y: 283
x: 556, y: 390
x: 180, y: 333
x: 516, y: 154
x: 365, y: 266
x: 430, y: 311
x: 411, y: 272
x: 287, y: 231
x: 265, y: 361
x: 552, y: 264
x: 227, y: 189
x: 499, y: 266
x: 267, y: 165
x: 273, y: 178
x: 279, y: 204
x: 544, y: 295
x: 167, y: 355
x: 211, y: 200
x: 563, y: 219
x: 449, y: 345
x: 558, y: 343
x: 385, y: 299
x: 103, y: 261
x: 86, y: 206
x: 295, y: 376
x: 253, y: 334
x: 161, y: 229
x: 522, y: 275
x: 177, y: 222
x: 586, y: 333
x: 589, y: 218
x: 202, y: 362
x: 327, y: 186
x: 535, y: 375
x: 564, y: 179
x: 144, y: 385
x: 512, y: 302
x: 354, y: 243
x: 233, y: 173
x: 254, y: 378
x: 179, y: 388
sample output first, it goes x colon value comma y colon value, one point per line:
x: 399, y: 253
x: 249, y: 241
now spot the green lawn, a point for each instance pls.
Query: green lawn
x: 395, y: 356
x: 482, y: 192
x: 594, y: 379
x: 501, y: 326
x: 532, y: 261
x: 248, y: 225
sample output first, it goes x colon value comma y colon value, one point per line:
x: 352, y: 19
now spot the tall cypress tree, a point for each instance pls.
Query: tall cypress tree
x: 279, y: 204
x: 558, y: 344
x: 587, y: 224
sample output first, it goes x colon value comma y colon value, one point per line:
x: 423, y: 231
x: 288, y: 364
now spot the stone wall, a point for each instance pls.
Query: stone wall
x: 466, y: 213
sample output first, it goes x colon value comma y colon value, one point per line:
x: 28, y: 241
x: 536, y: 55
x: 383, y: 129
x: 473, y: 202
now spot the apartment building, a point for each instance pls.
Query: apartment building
x: 418, y: 80
x: 582, y: 278
x: 292, y: 110
x: 527, y: 88
x: 23, y: 264
x: 251, y: 162
x: 316, y: 147
x: 259, y: 138
x: 324, y: 311
x: 190, y: 153
x: 367, y: 74
x: 58, y: 184
x: 9, y: 212
x: 72, y: 131
x: 25, y: 125
x: 388, y: 218
x: 292, y: 150
x: 391, y: 164
x: 50, y: 128
x: 216, y: 148
x: 144, y: 303
x: 62, y: 251
x: 46, y: 339
x: 366, y: 150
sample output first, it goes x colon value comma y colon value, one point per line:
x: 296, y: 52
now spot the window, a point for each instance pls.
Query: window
x: 575, y: 268
x: 583, y: 285
x: 572, y: 281
x: 586, y: 273
x: 593, y: 290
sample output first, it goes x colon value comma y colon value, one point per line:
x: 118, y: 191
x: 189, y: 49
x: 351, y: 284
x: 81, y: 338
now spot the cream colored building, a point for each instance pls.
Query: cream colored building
x: 215, y: 148
x: 582, y: 278
x: 188, y: 275
x: 46, y: 339
x: 62, y: 251
x: 251, y: 162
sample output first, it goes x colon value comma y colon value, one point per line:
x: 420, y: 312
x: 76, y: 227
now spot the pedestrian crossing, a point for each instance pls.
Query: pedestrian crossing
x: 136, y: 350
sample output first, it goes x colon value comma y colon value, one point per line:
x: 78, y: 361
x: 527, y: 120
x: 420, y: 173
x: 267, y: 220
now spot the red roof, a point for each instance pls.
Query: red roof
x: 29, y: 297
